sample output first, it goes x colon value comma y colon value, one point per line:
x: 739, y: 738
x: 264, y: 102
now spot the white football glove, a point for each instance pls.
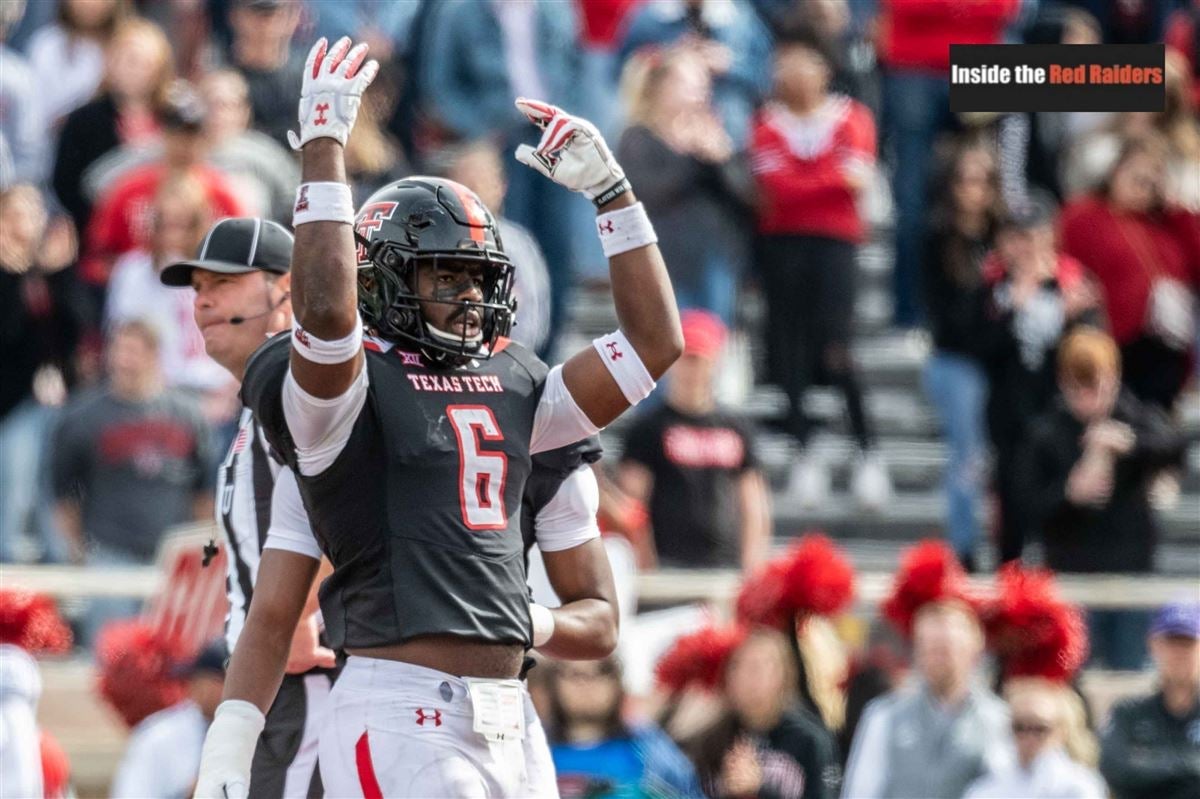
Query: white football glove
x: 572, y: 153
x: 334, y: 81
x: 229, y: 751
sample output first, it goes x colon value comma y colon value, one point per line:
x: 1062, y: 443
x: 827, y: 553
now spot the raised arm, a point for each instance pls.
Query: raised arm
x: 619, y: 369
x: 327, y: 348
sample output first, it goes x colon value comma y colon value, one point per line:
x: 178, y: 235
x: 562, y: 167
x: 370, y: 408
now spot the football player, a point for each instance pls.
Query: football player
x: 411, y: 443
x: 240, y: 278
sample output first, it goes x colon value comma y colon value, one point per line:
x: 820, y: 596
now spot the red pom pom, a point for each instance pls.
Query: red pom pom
x: 135, y: 666
x: 699, y: 658
x: 1033, y: 631
x: 929, y: 572
x: 31, y: 621
x: 811, y: 577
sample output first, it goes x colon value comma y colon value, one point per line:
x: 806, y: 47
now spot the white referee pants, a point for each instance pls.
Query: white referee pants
x: 397, y: 730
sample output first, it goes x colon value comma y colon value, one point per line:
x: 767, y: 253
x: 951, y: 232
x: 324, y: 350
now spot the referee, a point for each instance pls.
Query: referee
x: 241, y: 283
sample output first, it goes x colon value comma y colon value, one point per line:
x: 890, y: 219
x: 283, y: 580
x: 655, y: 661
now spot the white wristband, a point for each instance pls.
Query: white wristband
x: 543, y: 623
x: 318, y: 350
x: 625, y: 366
x: 323, y: 202
x: 625, y: 229
x: 229, y: 750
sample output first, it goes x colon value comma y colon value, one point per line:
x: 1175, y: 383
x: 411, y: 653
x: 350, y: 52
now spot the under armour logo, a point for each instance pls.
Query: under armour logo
x: 435, y: 717
x: 302, y: 337
x: 410, y: 358
x: 606, y: 226
x: 613, y: 352
x: 302, y: 199
x: 321, y: 109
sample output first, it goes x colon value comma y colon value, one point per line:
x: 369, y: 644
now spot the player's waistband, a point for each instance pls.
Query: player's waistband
x: 367, y: 673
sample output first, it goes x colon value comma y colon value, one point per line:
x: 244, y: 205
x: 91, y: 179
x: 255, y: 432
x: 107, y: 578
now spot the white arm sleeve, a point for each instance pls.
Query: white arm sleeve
x: 569, y: 518
x: 558, y: 421
x: 290, y: 529
x: 321, y: 427
x: 867, y: 768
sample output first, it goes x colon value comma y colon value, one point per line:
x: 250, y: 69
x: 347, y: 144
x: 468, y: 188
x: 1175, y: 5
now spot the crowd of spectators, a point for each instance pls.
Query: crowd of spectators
x: 1054, y: 258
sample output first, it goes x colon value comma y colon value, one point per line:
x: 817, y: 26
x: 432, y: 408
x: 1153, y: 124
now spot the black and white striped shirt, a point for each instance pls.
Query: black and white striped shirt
x: 244, y: 486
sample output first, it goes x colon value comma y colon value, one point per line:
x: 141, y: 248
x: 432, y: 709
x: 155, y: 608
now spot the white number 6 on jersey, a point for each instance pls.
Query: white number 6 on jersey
x: 481, y: 473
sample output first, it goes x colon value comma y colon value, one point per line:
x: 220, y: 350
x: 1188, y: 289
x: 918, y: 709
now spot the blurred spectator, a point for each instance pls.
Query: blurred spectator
x: 813, y: 153
x: 1032, y: 296
x: 851, y: 57
x: 1182, y: 38
x: 383, y: 24
x: 1085, y: 479
x: 914, y: 49
x: 1044, y: 768
x: 1128, y: 21
x: 728, y: 37
x: 1150, y: 748
x: 263, y: 174
x: 162, y: 756
x: 696, y: 465
x: 262, y: 52
x: 471, y: 61
x: 1090, y: 158
x: 121, y: 221
x: 478, y: 165
x: 373, y: 157
x: 137, y: 73
x: 1146, y: 256
x: 1031, y: 144
x: 962, y: 231
x: 596, y: 752
x: 765, y: 744
x: 129, y: 460
x: 602, y: 26
x: 179, y: 217
x: 936, y: 737
x: 68, y: 55
x: 22, y: 135
x: 696, y: 189
x: 880, y: 669
x: 42, y: 314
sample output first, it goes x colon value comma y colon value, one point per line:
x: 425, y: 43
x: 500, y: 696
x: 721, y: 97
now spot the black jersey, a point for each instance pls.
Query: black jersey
x: 420, y: 511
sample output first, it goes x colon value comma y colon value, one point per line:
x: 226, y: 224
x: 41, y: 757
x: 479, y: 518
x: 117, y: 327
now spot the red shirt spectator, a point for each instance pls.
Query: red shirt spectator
x: 1127, y: 251
x: 602, y: 21
x: 122, y: 219
x: 808, y: 167
x: 917, y: 34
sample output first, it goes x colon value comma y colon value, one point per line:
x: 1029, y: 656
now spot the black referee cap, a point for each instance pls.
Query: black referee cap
x: 236, y: 245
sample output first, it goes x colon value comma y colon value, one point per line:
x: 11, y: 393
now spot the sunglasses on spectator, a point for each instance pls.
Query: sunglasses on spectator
x: 1027, y: 727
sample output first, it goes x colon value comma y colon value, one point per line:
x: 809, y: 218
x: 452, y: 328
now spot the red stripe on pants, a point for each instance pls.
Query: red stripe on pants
x: 366, y: 771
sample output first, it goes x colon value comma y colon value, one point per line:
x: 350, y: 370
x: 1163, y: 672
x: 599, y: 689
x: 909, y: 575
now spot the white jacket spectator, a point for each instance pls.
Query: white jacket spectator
x: 1051, y: 775
x: 20, y: 758
x: 163, y: 754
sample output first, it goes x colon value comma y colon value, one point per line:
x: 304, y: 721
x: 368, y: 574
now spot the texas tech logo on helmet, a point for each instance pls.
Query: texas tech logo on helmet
x: 369, y: 220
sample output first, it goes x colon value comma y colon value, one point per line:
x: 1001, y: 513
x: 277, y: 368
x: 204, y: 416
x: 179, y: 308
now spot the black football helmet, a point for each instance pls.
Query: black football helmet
x: 424, y: 220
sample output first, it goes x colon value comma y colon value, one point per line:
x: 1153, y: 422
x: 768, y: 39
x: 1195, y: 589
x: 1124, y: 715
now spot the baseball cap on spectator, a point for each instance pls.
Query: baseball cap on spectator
x: 234, y: 246
x: 1035, y: 209
x: 209, y: 660
x: 184, y: 109
x: 703, y: 334
x: 1180, y: 619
